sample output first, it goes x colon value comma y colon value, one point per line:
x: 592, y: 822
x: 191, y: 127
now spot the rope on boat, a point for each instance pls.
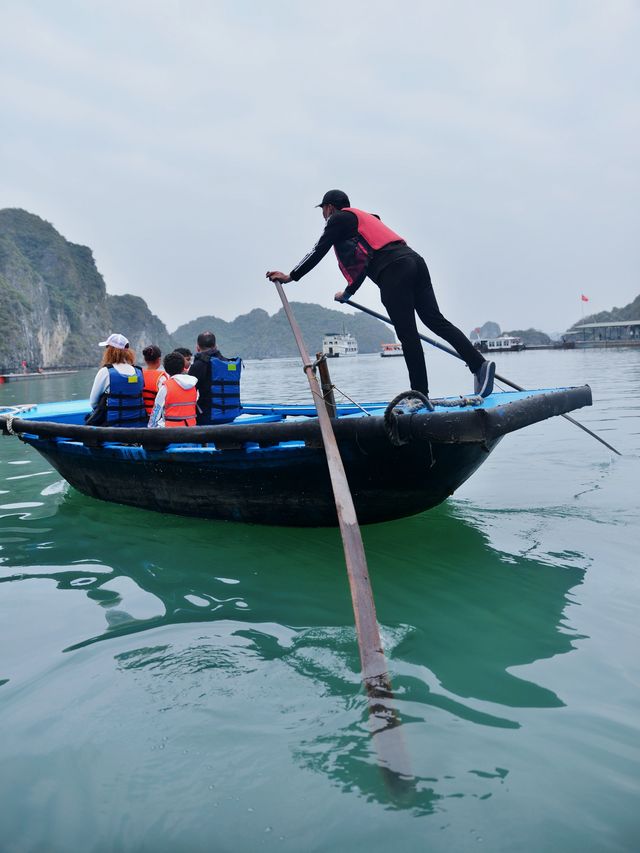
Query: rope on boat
x: 413, y: 401
x: 335, y: 387
x: 17, y: 410
x: 457, y: 402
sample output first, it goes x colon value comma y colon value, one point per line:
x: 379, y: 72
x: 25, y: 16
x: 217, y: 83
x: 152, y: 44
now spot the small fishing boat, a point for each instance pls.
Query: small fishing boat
x: 339, y: 345
x: 269, y: 466
x: 391, y: 350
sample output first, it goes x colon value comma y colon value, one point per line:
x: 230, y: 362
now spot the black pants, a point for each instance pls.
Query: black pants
x: 406, y: 290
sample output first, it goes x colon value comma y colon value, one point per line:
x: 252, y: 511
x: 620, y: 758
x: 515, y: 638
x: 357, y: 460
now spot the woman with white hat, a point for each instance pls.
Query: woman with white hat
x: 116, y: 395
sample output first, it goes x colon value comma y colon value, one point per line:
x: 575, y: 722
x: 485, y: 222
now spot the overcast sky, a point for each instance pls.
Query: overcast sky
x: 187, y: 143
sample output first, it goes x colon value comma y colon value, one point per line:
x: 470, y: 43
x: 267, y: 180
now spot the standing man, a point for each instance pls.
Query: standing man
x: 365, y: 246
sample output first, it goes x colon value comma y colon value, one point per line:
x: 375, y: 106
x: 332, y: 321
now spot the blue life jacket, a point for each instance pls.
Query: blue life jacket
x: 225, y: 389
x: 125, y: 406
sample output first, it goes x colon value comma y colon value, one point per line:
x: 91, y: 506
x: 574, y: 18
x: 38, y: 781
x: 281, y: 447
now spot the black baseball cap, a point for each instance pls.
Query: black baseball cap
x: 335, y: 197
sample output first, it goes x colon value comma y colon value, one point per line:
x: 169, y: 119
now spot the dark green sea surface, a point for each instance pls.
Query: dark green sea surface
x: 169, y: 684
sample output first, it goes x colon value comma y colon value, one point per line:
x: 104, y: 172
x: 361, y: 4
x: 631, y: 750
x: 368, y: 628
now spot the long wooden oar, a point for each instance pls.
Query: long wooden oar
x: 383, y: 716
x: 374, y: 665
x: 447, y: 349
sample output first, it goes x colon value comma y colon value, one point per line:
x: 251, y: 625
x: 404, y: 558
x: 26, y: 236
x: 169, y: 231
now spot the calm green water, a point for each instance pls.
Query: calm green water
x: 180, y: 685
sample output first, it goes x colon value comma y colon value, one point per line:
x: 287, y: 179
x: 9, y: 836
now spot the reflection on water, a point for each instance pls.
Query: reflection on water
x: 445, y: 600
x: 459, y: 620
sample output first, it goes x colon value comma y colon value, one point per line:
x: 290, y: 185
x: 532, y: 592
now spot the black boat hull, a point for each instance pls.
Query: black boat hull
x: 273, y: 469
x: 387, y: 482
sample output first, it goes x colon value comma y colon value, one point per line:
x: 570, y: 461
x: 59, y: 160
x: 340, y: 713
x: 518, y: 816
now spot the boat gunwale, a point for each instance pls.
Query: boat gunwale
x: 451, y: 426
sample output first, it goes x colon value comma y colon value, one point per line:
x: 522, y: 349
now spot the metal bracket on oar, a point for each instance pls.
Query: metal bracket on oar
x: 450, y: 351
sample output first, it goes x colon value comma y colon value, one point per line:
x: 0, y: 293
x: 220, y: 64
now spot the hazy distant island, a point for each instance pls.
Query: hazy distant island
x: 54, y: 308
x: 529, y: 337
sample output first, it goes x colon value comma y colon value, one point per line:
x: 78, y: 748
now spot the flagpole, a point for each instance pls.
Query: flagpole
x: 583, y: 299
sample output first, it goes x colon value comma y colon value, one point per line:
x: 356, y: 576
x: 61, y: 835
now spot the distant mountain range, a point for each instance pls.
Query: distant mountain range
x: 258, y: 335
x: 54, y: 308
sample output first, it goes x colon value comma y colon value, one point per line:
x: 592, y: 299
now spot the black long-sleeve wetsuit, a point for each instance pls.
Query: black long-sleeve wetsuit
x: 405, y: 290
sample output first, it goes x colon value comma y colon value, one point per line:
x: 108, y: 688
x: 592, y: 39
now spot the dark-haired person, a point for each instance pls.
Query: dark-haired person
x: 365, y: 246
x: 153, y: 375
x: 116, y: 394
x: 175, y: 403
x: 218, y: 382
x: 188, y: 355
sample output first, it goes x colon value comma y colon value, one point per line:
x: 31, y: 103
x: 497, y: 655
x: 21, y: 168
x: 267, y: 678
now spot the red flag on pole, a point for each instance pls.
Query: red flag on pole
x: 584, y: 298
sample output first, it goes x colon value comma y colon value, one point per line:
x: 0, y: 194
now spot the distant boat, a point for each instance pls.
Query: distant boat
x: 336, y: 345
x: 390, y: 350
x: 505, y: 343
x: 40, y: 374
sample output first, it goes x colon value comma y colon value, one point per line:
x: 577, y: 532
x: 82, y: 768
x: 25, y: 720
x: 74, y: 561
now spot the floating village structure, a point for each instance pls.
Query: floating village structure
x: 610, y: 334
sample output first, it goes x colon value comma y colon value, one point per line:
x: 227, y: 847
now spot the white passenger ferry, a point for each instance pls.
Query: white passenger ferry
x: 335, y: 345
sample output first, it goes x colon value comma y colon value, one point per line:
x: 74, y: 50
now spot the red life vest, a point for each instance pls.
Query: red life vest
x: 355, y: 253
x: 179, y: 405
x: 151, y: 377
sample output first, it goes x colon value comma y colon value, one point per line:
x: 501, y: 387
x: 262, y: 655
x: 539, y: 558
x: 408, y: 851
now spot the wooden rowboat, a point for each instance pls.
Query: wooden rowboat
x: 268, y: 466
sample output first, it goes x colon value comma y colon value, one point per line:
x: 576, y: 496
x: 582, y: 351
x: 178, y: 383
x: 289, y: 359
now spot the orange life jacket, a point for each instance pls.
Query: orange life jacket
x: 179, y: 405
x: 355, y: 253
x: 151, y: 377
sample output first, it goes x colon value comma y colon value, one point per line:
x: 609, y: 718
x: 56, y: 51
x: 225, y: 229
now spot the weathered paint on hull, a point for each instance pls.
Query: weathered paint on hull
x: 285, y: 486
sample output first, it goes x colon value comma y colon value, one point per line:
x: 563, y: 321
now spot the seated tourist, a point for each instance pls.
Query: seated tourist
x: 218, y: 382
x: 188, y: 355
x: 153, y: 375
x: 176, y: 400
x: 116, y: 395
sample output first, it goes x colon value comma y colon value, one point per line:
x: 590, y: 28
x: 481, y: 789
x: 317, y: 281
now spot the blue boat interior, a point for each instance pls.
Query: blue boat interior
x: 74, y: 411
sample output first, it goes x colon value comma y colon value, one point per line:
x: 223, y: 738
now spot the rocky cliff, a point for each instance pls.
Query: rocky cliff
x: 132, y: 315
x: 54, y: 307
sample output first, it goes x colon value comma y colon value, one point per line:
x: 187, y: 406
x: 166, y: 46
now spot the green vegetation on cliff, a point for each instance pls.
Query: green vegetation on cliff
x: 258, y: 335
x: 52, y: 298
x: 132, y: 314
x: 54, y: 307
